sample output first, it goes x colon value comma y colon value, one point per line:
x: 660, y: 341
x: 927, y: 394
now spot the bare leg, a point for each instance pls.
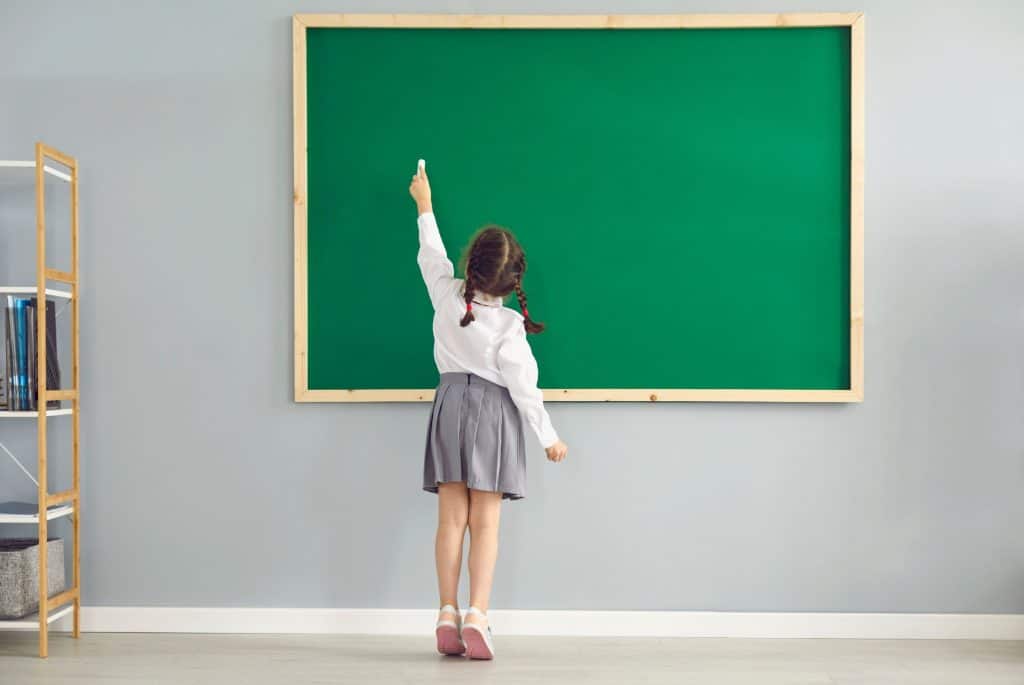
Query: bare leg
x: 484, y: 517
x: 452, y: 515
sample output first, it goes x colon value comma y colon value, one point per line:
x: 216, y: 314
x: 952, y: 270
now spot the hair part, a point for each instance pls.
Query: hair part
x: 495, y: 264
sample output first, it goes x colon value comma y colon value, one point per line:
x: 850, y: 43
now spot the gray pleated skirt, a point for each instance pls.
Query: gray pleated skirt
x: 475, y: 436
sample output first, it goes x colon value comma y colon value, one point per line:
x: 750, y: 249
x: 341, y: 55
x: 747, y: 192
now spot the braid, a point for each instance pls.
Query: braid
x: 468, y: 294
x: 531, y: 325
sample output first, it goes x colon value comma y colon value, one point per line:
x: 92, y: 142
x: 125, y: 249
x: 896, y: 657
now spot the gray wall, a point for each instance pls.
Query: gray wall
x: 205, y: 485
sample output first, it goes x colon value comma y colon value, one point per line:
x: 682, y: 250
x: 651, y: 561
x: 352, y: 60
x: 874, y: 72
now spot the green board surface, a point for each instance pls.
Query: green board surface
x: 683, y: 198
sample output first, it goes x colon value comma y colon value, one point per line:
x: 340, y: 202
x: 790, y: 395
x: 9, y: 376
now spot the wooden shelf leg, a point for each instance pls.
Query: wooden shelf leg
x: 76, y: 626
x: 76, y: 571
x: 44, y: 624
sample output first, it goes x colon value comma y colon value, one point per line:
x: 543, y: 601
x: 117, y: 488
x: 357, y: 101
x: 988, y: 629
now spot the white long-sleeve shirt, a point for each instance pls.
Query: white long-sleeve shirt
x: 493, y: 347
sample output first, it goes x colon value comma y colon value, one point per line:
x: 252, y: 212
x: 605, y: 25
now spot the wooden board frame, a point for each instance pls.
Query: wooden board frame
x: 854, y: 20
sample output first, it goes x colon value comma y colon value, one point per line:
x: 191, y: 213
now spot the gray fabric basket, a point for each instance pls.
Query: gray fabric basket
x: 19, y: 574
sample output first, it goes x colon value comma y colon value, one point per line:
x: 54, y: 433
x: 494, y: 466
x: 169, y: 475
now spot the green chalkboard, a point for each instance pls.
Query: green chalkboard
x: 683, y: 196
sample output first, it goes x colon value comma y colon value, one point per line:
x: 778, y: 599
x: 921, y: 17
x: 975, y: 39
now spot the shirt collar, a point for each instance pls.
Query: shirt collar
x: 490, y: 300
x: 484, y: 298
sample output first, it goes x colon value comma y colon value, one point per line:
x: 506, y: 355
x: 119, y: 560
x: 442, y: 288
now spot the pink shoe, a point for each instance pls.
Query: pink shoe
x: 449, y: 640
x: 477, y: 638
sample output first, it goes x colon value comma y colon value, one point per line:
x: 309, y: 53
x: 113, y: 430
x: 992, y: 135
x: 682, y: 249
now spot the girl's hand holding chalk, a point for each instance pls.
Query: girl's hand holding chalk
x: 419, y: 188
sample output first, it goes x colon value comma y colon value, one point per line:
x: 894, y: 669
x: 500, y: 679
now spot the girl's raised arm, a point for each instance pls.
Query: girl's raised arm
x: 438, y: 271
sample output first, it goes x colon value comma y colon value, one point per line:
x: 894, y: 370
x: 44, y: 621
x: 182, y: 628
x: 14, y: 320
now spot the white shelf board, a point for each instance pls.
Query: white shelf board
x: 5, y: 414
x: 51, y: 514
x: 29, y: 164
x: 31, y: 622
x: 31, y: 290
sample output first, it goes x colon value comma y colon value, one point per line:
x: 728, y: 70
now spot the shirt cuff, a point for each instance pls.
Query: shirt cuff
x: 546, y: 434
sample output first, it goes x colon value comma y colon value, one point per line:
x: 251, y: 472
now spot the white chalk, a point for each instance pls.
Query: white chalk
x: 422, y: 164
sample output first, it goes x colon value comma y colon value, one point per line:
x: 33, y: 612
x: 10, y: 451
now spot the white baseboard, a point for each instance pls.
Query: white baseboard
x: 574, y: 623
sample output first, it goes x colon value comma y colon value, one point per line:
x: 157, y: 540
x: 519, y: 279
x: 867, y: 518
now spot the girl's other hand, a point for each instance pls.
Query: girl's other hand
x: 557, y: 451
x: 419, y: 188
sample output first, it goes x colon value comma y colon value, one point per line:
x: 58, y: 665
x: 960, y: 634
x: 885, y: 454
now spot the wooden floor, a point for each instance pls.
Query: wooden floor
x: 259, y: 659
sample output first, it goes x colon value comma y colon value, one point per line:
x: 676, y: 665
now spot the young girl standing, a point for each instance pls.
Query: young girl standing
x: 475, y: 454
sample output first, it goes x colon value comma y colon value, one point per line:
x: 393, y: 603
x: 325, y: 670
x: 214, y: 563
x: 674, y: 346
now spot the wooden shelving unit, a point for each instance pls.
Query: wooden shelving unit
x: 68, y: 502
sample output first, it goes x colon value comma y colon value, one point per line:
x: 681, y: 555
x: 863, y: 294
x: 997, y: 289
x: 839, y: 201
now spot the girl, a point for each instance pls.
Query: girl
x: 475, y: 444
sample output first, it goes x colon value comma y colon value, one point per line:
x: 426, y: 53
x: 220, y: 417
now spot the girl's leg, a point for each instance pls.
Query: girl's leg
x: 452, y: 515
x: 484, y: 516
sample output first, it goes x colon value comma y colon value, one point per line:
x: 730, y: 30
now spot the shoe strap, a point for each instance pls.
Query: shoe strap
x: 478, y: 627
x: 449, y: 609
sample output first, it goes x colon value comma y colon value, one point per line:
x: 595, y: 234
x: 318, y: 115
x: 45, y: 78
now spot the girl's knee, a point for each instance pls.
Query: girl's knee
x: 484, y: 515
x: 479, y: 526
x: 453, y: 520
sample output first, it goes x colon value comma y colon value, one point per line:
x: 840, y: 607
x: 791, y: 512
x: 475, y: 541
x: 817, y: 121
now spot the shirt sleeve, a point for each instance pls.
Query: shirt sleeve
x: 518, y: 368
x: 438, y: 271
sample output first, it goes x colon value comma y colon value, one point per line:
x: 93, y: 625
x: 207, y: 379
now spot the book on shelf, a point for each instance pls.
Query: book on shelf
x: 18, y: 354
x: 52, y: 360
x: 30, y: 353
x: 12, y: 358
x: 3, y: 366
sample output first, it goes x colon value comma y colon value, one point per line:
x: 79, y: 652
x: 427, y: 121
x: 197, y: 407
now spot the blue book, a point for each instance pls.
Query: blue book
x: 21, y: 346
x: 13, y: 357
x: 9, y: 357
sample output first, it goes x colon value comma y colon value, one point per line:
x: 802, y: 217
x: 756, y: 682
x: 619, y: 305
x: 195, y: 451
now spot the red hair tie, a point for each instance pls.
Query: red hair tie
x: 469, y: 307
x: 526, y: 313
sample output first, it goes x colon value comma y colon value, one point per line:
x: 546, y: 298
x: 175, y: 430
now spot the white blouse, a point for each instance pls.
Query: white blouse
x: 493, y: 346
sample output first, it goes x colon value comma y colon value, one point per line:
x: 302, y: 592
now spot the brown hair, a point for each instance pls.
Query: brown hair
x: 495, y: 264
